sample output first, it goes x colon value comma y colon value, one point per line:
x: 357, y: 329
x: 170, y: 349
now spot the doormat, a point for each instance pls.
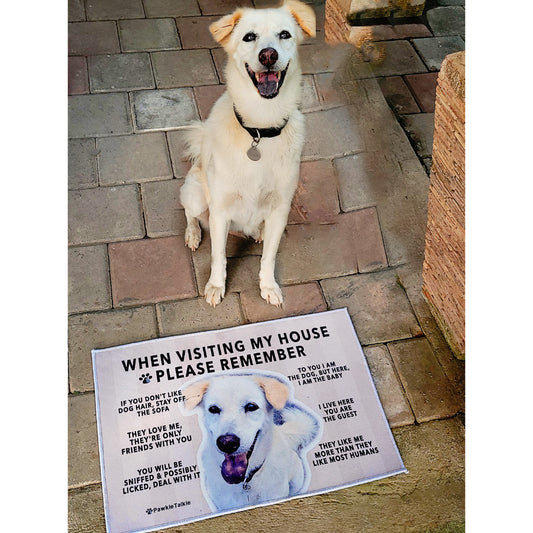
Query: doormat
x: 199, y: 425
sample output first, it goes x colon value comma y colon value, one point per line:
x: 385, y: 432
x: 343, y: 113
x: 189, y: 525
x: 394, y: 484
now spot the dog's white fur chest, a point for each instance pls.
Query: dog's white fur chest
x: 245, y: 190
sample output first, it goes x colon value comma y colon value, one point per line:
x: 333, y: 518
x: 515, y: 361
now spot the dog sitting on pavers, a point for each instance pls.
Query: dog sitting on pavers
x: 246, y: 155
x: 254, y: 438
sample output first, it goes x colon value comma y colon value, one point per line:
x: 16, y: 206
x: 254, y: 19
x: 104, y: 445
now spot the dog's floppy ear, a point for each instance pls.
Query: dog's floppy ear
x: 194, y: 393
x: 304, y: 15
x: 276, y: 392
x: 222, y: 28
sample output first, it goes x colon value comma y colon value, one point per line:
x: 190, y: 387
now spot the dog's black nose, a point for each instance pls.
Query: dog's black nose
x: 268, y: 56
x: 228, y: 443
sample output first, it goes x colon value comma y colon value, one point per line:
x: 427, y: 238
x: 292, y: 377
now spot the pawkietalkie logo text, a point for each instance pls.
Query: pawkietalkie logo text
x: 167, y: 507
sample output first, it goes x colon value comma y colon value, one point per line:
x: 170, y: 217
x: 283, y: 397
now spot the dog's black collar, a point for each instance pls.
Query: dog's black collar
x: 259, y: 133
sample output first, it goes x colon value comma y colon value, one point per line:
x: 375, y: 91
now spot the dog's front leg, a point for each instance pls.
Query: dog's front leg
x: 274, y: 226
x: 216, y: 286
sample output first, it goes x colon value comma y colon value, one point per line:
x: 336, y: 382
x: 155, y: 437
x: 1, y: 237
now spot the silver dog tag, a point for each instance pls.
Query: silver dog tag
x: 253, y: 153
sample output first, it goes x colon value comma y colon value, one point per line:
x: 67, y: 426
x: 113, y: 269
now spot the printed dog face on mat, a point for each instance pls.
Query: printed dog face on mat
x: 253, y: 438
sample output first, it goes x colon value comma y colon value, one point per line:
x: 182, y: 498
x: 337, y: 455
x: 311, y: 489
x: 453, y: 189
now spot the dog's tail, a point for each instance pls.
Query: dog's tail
x: 300, y: 427
x: 194, y: 138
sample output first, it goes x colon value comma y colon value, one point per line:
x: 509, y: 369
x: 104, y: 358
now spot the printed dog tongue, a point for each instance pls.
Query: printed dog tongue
x: 267, y: 83
x: 234, y: 468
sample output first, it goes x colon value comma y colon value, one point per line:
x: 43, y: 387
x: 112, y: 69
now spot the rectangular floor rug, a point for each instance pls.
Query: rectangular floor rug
x: 198, y: 425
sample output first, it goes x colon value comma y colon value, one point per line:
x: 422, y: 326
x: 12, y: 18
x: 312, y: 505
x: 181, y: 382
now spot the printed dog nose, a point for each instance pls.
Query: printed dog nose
x: 228, y: 443
x: 268, y: 56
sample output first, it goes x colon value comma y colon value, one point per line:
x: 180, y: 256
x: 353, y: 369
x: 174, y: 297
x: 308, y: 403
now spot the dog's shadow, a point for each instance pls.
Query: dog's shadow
x: 244, y: 256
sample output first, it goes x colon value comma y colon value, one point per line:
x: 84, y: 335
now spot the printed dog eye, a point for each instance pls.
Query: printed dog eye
x: 250, y: 36
x: 285, y: 35
x: 250, y: 407
x: 214, y: 409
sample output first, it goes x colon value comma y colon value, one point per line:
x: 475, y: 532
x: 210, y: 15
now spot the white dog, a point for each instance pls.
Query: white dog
x: 246, y: 155
x: 254, y: 439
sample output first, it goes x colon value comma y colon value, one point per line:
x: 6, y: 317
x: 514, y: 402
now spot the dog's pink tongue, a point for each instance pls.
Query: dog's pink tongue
x: 267, y: 83
x: 234, y: 468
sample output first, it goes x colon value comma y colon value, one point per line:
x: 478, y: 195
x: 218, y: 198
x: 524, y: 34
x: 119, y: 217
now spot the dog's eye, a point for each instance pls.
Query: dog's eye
x: 249, y: 407
x: 214, y: 409
x: 285, y: 35
x: 250, y: 36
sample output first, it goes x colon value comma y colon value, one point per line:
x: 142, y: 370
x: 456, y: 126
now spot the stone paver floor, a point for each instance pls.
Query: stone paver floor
x: 139, y: 71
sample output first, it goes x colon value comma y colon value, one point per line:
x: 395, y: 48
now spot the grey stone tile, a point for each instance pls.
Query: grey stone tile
x: 222, y: 7
x: 133, y: 158
x: 82, y: 164
x: 434, y: 50
x: 411, y: 280
x: 220, y: 58
x: 171, y: 8
x: 164, y: 109
x: 397, y: 58
x: 146, y: 35
x: 401, y: 193
x: 330, y: 94
x: 163, y: 212
x: 83, y: 462
x: 319, y: 57
x: 310, y: 252
x: 78, y: 80
x: 176, y: 145
x: 116, y: 9
x: 447, y: 20
x: 194, y: 32
x: 398, y: 95
x: 104, y: 214
x: 88, y: 279
x: 310, y: 99
x: 101, y: 330
x: 377, y: 304
x: 398, y: 189
x: 369, y: 246
x: 389, y: 388
x: 98, y: 115
x: 189, y: 316
x: 366, y: 179
x: 184, y: 68
x: 420, y: 128
x: 76, y: 11
x: 377, y: 123
x: 120, y: 72
x: 91, y: 38
x: 86, y: 510
x: 451, y: 2
x: 427, y: 387
x: 301, y: 299
x: 206, y: 97
x: 332, y: 133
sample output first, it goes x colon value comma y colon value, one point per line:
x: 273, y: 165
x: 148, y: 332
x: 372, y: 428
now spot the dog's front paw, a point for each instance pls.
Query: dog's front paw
x: 193, y: 236
x: 272, y: 294
x: 213, y: 294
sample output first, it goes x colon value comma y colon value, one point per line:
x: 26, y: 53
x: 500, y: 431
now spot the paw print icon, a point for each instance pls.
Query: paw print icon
x: 145, y: 378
